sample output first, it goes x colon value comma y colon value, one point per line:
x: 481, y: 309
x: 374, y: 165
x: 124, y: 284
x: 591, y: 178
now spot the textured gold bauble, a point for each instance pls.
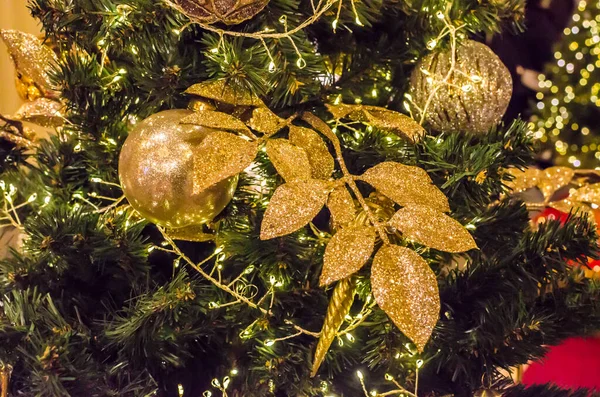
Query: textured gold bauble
x: 487, y: 393
x: 230, y: 12
x: 475, y: 96
x: 156, y: 167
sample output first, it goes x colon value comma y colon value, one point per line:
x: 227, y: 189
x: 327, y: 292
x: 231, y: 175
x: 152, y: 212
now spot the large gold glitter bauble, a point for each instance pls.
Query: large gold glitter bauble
x: 230, y: 12
x: 156, y: 169
x: 473, y: 98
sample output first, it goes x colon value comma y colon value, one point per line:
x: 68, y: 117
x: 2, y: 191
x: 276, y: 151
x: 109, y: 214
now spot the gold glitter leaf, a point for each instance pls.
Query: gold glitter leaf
x: 587, y: 194
x: 230, y: 12
x: 265, y: 121
x: 292, y: 206
x: 395, y: 122
x: 406, y: 289
x: 433, y: 229
x: 406, y: 185
x: 220, y: 91
x: 43, y: 111
x: 219, y: 156
x: 339, y: 306
x: 290, y: 161
x: 320, y: 159
x: 340, y: 111
x: 554, y: 178
x: 216, y: 120
x: 523, y: 179
x: 347, y: 251
x: 31, y: 57
x: 341, y: 206
x: 382, y: 118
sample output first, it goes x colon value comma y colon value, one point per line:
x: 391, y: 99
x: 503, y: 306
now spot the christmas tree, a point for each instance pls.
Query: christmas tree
x: 279, y: 198
x: 567, y: 108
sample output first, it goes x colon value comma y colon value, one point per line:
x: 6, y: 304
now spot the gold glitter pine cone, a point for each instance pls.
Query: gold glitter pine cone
x: 473, y: 100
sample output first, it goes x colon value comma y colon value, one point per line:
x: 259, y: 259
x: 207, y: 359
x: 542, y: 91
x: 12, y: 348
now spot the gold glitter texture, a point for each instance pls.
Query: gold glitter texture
x: 347, y: 251
x: 476, y: 95
x: 587, y: 194
x: 265, y: 121
x: 292, y: 206
x: 156, y: 169
x: 220, y: 156
x: 230, y: 12
x: 384, y: 119
x: 406, y: 185
x: 290, y: 161
x: 321, y: 161
x: 554, y: 178
x: 31, y: 57
x: 216, y: 120
x: 433, y: 229
x: 406, y: 289
x: 43, y: 111
x: 523, y: 179
x: 341, y: 206
x: 220, y: 91
x: 339, y: 306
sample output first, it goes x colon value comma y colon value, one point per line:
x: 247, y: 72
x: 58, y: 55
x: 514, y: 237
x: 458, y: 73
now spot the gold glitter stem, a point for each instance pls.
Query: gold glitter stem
x: 207, y: 276
x: 339, y: 306
x: 320, y: 125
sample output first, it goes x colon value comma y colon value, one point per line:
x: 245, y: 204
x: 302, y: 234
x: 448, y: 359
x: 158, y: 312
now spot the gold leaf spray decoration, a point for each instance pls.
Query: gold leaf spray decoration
x: 351, y: 247
x: 403, y: 284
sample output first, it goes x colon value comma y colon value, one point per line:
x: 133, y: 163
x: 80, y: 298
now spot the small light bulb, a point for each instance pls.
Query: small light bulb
x: 269, y: 342
x: 431, y: 44
x: 272, y: 67
x: 360, y: 375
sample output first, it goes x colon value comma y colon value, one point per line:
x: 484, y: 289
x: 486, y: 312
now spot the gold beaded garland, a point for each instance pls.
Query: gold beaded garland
x: 156, y: 169
x: 469, y: 93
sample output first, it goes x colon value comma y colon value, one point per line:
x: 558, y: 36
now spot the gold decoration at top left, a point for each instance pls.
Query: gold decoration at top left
x: 32, y: 60
x: 42, y: 111
x: 230, y: 12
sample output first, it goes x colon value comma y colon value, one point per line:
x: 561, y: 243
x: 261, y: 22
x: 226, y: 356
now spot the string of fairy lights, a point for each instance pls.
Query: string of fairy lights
x: 572, y: 88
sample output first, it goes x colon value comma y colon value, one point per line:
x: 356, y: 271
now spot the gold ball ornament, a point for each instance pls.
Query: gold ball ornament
x: 230, y: 12
x: 156, y: 169
x: 487, y: 393
x: 474, y: 97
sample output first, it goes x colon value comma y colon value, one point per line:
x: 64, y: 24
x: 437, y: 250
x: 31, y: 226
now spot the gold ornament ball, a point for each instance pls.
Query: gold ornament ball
x: 156, y: 167
x: 230, y: 12
x: 487, y: 393
x: 472, y: 100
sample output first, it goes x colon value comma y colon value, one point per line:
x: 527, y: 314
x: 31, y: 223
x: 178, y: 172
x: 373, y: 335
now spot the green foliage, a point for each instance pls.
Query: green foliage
x: 97, y: 303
